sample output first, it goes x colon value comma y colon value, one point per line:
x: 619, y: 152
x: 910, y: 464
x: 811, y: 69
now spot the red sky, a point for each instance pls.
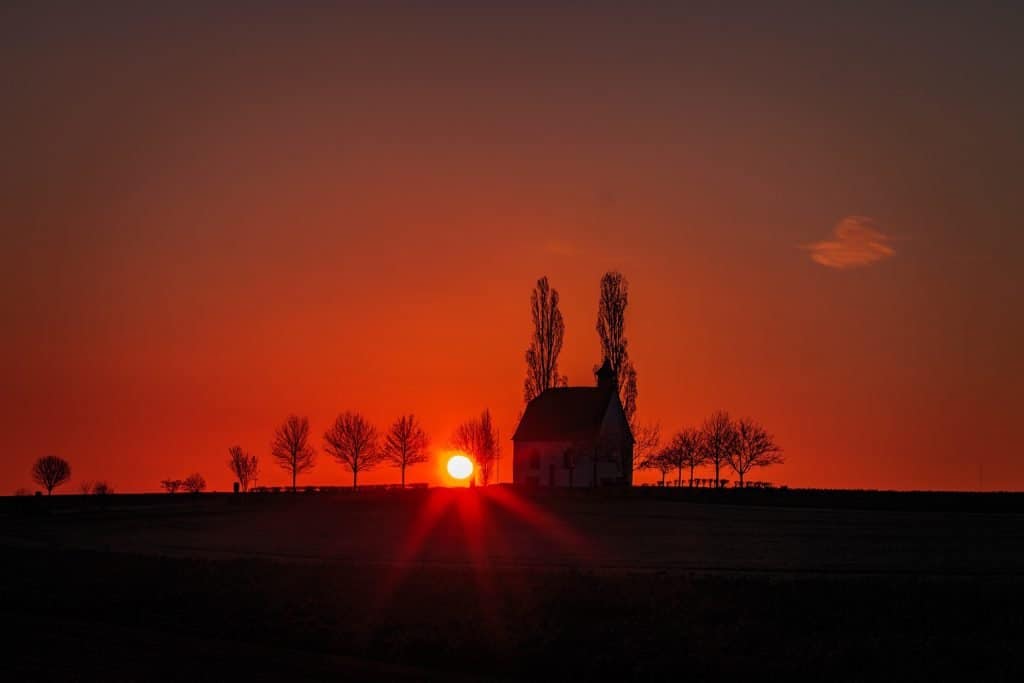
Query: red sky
x: 215, y: 217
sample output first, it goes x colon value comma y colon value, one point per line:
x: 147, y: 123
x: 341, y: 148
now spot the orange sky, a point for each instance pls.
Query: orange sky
x: 214, y: 218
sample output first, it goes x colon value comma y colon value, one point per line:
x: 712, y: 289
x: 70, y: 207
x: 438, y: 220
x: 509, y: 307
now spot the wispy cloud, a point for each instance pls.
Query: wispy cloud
x: 856, y: 242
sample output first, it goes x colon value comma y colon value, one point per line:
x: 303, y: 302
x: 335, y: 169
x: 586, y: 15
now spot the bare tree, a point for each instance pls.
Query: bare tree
x: 291, y: 449
x: 85, y: 488
x: 354, y: 442
x: 194, y: 483
x: 406, y: 444
x: 755, y: 447
x: 172, y: 485
x: 243, y: 465
x: 50, y: 472
x: 478, y: 439
x: 546, y: 343
x: 659, y: 461
x: 646, y: 438
x: 719, y: 441
x: 611, y: 328
x: 686, y: 451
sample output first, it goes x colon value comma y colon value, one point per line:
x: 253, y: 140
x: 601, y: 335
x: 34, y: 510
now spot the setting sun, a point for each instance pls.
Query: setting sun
x: 460, y: 467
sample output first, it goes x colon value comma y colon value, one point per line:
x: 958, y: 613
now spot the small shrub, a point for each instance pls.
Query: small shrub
x: 194, y: 483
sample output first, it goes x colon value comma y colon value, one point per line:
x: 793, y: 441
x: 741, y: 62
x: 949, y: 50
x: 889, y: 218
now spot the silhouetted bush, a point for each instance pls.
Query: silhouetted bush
x: 194, y: 483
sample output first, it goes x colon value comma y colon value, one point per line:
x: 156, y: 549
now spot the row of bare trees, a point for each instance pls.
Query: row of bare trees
x: 354, y: 442
x: 719, y: 442
x: 193, y: 483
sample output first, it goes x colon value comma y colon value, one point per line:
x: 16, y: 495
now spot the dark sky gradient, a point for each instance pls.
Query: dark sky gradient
x: 215, y: 216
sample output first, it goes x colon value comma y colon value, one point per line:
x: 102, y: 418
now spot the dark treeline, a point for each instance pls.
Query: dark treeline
x: 354, y: 442
x: 351, y: 440
x: 720, y: 442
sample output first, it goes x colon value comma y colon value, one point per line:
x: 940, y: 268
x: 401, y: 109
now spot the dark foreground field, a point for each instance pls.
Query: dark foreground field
x: 443, y: 585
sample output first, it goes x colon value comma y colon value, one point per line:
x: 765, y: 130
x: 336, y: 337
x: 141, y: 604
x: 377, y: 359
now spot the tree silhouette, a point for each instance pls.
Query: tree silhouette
x: 755, y: 447
x: 172, y: 485
x: 354, y: 442
x: 406, y: 444
x: 243, y: 465
x: 546, y: 343
x: 646, y: 439
x: 102, y: 488
x: 478, y: 439
x: 50, y: 472
x: 194, y: 483
x: 628, y: 395
x: 718, y: 437
x: 611, y: 328
x: 686, y: 450
x: 291, y: 449
x: 659, y: 461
